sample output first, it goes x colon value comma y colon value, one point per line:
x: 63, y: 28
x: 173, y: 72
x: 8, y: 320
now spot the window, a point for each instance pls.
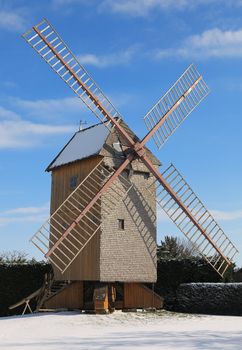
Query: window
x: 121, y: 224
x: 73, y: 182
x: 117, y: 147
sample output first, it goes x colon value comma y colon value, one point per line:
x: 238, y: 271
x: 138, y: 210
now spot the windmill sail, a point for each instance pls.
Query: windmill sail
x: 173, y: 108
x: 65, y: 234
x: 189, y: 214
x: 49, y: 45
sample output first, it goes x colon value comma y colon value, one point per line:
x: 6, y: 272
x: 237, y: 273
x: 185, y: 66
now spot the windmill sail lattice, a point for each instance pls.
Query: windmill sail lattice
x: 62, y: 242
x: 173, y: 108
x: 50, y: 46
x: 208, y: 239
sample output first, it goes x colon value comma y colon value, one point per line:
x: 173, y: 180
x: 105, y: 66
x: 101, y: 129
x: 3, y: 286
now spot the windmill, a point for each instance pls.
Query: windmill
x: 79, y: 218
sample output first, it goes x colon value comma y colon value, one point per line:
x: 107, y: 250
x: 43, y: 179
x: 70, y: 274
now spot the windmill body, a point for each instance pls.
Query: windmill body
x: 105, y: 183
x: 124, y: 248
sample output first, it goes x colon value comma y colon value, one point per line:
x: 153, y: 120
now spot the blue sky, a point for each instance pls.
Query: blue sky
x: 135, y: 50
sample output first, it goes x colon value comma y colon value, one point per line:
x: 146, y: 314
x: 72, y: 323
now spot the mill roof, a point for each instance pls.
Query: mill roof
x: 89, y: 142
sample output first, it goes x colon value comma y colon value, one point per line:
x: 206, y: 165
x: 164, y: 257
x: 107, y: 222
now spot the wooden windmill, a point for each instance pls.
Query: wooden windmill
x: 83, y: 236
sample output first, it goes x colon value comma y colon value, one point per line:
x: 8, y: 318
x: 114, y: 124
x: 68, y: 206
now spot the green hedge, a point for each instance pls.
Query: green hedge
x: 210, y: 298
x: 19, y: 281
x: 173, y: 272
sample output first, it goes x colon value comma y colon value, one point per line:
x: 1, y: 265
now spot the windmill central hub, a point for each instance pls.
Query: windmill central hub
x: 139, y: 150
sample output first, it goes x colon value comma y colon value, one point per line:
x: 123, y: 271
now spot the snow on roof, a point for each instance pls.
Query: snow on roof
x: 83, y: 144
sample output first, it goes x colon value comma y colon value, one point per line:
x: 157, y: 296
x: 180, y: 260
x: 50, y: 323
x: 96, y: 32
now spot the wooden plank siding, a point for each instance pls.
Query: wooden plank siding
x: 138, y: 296
x: 60, y: 187
x: 86, y: 265
x: 70, y: 298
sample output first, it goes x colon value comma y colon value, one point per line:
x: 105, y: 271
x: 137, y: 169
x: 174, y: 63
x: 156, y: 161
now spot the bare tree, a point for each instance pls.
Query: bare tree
x: 13, y: 257
x: 176, y: 247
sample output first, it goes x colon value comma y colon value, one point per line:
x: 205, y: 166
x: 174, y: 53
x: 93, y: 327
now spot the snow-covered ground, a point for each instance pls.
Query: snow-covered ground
x: 71, y: 331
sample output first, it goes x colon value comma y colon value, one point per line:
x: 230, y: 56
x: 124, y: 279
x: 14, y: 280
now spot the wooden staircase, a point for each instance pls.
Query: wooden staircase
x: 55, y: 288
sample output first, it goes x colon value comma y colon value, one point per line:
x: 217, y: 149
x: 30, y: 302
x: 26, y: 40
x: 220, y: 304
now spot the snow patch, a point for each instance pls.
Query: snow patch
x: 72, y: 331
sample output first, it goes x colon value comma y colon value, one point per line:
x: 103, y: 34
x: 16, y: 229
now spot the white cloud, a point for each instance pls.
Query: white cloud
x: 211, y: 43
x: 18, y: 133
x: 61, y: 109
x: 142, y: 8
x: 162, y: 216
x: 219, y: 215
x: 121, y: 99
x: 28, y: 218
x: 9, y: 84
x: 67, y: 2
x: 112, y: 59
x: 130, y: 7
x: 50, y: 108
x: 8, y: 114
x: 12, y: 20
x: 24, y: 214
x: 22, y: 134
x: 227, y: 215
x: 27, y: 210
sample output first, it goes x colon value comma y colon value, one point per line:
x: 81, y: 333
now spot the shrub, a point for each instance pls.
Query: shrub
x: 18, y: 281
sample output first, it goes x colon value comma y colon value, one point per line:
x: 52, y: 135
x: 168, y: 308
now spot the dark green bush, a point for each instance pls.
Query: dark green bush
x: 17, y: 281
x: 172, y: 272
x: 210, y: 298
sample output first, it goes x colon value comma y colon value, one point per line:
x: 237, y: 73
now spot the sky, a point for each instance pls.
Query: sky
x: 135, y: 50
